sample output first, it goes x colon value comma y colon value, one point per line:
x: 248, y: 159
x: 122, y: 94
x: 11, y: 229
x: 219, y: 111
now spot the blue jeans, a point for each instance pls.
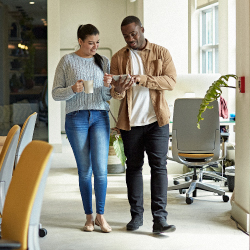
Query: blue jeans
x: 88, y: 133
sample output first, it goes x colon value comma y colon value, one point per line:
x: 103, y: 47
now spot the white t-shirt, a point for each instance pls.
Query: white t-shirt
x: 142, y: 108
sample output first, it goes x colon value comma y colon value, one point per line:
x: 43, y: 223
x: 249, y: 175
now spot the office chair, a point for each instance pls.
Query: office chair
x: 22, y: 208
x: 26, y: 135
x: 195, y: 147
x: 7, y: 157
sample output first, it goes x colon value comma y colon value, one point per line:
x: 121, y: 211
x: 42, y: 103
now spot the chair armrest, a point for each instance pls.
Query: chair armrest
x: 9, y: 244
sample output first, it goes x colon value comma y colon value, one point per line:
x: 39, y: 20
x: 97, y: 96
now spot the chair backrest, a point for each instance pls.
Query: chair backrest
x: 186, y: 137
x: 7, y: 157
x: 26, y: 135
x: 22, y: 208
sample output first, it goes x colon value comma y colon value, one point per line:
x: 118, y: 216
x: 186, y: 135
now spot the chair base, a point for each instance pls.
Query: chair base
x: 214, y: 176
x: 192, y: 187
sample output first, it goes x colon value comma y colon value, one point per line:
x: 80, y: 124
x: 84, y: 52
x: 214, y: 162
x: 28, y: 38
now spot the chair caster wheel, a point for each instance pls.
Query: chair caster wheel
x: 187, y: 178
x: 182, y: 191
x: 225, y: 198
x: 189, y: 200
x: 42, y: 232
x: 176, y: 182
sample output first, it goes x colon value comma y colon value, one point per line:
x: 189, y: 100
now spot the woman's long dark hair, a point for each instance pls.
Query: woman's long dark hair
x: 89, y: 30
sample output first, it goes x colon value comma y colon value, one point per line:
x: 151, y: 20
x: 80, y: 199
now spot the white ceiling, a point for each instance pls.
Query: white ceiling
x: 37, y: 11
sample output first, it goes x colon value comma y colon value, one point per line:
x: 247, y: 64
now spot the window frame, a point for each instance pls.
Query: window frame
x: 209, y: 48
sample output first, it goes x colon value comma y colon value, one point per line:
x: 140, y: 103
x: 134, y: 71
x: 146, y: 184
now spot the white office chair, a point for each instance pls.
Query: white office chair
x: 195, y: 147
x: 26, y: 135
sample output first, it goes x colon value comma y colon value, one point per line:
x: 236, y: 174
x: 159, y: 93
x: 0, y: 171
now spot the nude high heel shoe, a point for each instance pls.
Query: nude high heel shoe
x: 104, y: 227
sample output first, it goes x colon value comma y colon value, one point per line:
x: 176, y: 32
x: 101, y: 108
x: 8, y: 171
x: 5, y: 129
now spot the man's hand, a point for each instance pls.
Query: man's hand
x: 121, y: 86
x: 78, y: 86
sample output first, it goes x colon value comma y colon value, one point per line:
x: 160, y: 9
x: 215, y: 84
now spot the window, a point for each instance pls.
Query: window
x: 209, y: 40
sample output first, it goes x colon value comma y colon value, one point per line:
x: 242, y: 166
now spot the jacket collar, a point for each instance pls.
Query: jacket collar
x: 148, y: 46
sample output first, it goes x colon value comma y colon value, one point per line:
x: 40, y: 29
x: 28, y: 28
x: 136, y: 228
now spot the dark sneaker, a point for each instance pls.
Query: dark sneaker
x: 135, y: 223
x: 163, y: 227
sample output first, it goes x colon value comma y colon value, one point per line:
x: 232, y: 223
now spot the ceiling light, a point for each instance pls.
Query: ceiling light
x: 32, y: 2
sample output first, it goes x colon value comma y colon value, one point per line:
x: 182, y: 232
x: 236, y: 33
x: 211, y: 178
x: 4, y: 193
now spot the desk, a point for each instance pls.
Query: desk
x: 229, y: 127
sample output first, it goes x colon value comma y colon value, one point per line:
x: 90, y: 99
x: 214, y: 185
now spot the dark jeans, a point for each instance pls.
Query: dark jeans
x: 154, y: 140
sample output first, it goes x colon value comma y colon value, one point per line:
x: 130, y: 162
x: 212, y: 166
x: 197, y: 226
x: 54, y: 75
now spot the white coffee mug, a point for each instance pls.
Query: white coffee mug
x: 88, y: 86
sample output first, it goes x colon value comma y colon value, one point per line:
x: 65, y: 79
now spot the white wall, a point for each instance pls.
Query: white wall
x: 240, y: 207
x: 54, y: 125
x: 166, y: 24
x: 193, y: 38
x: 106, y: 15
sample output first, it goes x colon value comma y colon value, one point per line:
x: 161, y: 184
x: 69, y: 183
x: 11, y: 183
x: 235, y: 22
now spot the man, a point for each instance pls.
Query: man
x: 144, y: 119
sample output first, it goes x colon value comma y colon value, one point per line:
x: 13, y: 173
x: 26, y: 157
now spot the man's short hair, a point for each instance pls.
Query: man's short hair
x: 131, y: 19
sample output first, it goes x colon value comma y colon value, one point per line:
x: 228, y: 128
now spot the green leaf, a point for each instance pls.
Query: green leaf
x: 213, y: 93
x: 119, y: 150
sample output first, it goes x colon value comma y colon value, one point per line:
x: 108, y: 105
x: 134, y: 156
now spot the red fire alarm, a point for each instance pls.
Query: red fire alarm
x: 242, y: 84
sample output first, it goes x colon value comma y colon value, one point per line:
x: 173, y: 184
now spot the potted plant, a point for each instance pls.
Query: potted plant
x: 117, y: 158
x: 212, y: 94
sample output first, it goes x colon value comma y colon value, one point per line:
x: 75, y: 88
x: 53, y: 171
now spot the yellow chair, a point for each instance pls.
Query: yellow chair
x: 7, y: 157
x: 22, y: 208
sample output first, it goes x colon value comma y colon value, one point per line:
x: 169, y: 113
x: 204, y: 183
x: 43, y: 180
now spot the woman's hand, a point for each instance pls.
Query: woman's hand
x: 78, y: 86
x: 121, y: 85
x: 107, y: 79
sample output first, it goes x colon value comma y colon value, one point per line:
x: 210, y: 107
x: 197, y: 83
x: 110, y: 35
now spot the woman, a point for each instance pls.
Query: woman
x: 87, y: 121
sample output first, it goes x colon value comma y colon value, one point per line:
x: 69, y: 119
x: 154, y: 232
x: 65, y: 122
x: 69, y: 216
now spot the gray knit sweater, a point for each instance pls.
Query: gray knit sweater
x: 72, y: 68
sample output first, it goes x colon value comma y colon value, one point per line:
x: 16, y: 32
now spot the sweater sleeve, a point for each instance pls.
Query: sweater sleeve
x: 61, y: 92
x: 106, y: 90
